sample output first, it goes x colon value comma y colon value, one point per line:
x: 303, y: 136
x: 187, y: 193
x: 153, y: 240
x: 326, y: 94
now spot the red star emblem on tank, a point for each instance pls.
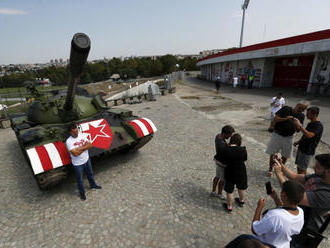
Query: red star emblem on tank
x: 99, y: 133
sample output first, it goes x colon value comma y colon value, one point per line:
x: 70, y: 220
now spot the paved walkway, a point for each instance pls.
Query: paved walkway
x: 261, y: 98
x: 157, y: 197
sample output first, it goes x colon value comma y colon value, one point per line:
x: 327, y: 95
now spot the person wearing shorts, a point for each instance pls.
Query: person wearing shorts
x: 284, y: 130
x: 220, y: 145
x: 311, y: 137
x: 235, y: 156
x: 220, y: 170
x: 303, y: 161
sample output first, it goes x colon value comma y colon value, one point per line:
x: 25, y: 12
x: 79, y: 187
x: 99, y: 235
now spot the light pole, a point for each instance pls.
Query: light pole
x: 244, y: 7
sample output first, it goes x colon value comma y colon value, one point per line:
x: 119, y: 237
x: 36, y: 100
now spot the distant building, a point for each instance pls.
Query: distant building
x: 301, y: 61
x: 115, y: 77
x: 210, y: 52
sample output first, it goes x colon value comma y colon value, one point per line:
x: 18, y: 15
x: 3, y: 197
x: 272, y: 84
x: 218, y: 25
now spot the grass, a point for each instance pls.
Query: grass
x: 8, y: 103
x: 23, y: 89
x: 22, y: 92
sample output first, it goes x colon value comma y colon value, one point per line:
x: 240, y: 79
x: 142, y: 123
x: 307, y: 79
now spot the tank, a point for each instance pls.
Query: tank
x: 42, y: 128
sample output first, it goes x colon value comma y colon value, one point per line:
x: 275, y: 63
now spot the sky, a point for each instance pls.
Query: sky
x: 35, y: 31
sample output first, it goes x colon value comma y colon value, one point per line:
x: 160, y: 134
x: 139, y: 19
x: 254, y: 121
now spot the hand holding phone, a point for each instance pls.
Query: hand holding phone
x: 278, y: 156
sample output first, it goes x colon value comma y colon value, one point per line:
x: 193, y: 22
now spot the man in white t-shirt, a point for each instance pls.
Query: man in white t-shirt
x: 276, y: 103
x: 277, y: 226
x: 78, y: 146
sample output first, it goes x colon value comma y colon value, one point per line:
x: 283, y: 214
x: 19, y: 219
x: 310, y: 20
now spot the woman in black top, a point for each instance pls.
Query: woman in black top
x: 235, y: 156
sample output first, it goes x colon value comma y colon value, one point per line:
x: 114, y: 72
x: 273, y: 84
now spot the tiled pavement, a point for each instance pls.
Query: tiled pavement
x: 157, y: 197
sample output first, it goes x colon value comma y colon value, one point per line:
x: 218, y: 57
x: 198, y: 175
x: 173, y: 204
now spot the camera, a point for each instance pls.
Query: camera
x: 276, y: 158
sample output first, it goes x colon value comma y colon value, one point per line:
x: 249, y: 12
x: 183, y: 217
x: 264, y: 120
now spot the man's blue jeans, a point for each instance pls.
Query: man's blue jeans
x: 79, y: 170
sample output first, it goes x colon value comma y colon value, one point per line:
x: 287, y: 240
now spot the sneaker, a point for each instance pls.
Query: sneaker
x: 96, y: 187
x: 225, y: 206
x: 82, y: 196
x: 239, y: 203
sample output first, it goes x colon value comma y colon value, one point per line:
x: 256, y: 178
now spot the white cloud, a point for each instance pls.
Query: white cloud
x: 4, y: 11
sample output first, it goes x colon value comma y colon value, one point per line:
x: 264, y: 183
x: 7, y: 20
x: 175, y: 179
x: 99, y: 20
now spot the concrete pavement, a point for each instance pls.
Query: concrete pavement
x: 260, y: 98
x: 156, y: 197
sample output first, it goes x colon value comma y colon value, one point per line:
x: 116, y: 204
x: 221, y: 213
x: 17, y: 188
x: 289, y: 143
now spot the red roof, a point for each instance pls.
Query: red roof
x: 320, y: 35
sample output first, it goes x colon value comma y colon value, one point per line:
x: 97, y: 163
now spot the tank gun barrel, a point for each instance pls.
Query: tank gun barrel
x: 80, y: 46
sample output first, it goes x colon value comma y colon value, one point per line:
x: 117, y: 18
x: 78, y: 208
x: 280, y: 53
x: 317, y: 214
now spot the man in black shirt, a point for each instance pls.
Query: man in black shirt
x: 284, y: 129
x: 311, y: 137
x: 220, y: 145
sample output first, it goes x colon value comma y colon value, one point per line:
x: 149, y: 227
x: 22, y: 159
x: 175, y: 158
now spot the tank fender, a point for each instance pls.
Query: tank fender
x: 48, y: 156
x: 139, y: 128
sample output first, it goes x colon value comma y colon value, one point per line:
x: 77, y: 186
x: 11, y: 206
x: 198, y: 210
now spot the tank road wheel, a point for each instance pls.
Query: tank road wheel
x: 50, y: 178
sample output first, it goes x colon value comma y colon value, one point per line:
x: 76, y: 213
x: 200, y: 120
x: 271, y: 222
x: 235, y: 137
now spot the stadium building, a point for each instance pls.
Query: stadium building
x: 301, y: 61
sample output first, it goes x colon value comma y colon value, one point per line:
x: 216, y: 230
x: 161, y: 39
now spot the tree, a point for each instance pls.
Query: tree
x: 114, y: 65
x: 189, y: 64
x: 85, y: 78
x: 156, y: 68
x: 97, y: 71
x: 168, y: 61
x: 16, y: 79
x: 144, y: 67
x: 130, y: 68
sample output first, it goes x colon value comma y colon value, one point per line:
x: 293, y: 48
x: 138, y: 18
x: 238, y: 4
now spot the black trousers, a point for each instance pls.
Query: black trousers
x: 250, y: 84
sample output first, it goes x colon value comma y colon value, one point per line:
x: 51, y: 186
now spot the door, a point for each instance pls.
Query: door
x: 293, y: 72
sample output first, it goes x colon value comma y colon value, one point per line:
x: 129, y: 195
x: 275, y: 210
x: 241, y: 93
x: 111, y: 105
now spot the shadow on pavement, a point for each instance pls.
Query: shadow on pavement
x: 191, y: 193
x: 27, y: 187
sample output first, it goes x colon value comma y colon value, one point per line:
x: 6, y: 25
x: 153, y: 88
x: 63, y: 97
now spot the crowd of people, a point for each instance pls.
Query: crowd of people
x: 304, y: 200
x: 243, y: 81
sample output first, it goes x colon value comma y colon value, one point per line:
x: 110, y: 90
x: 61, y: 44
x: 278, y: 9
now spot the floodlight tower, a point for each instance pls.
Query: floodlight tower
x: 244, y: 7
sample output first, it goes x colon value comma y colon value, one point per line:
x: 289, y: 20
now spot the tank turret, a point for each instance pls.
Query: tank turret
x: 59, y: 109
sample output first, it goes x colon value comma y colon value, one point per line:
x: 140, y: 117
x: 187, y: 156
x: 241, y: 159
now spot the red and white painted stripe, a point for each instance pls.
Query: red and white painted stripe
x: 48, y: 157
x: 143, y: 126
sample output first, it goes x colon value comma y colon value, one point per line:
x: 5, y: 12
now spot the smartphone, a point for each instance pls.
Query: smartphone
x: 278, y: 156
x: 269, y: 188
